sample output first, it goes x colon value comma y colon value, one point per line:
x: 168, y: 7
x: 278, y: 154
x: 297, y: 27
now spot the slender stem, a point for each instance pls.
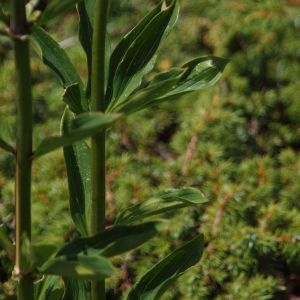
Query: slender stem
x: 23, y: 144
x: 98, y: 141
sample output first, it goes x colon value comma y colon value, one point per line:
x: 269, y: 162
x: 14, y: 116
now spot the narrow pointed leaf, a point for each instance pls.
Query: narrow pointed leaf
x: 43, y: 252
x: 78, y: 166
x: 135, y: 55
x: 55, y: 8
x: 84, y: 126
x: 145, y: 97
x: 154, y: 283
x: 197, y: 74
x: 72, y: 97
x: 6, y: 243
x: 5, y: 146
x: 58, y: 61
x: 85, y: 37
x: 166, y: 201
x: 50, y: 288
x: 79, y: 266
x: 113, y: 241
x: 76, y: 289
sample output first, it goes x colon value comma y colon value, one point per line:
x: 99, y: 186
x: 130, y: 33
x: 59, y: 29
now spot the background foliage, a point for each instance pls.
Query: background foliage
x: 238, y: 142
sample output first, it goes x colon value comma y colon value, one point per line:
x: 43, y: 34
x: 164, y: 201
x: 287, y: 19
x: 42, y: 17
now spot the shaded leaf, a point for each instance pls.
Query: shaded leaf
x: 76, y: 289
x: 85, y: 33
x: 166, y: 201
x: 50, y: 288
x: 6, y: 243
x: 155, y: 282
x: 42, y: 252
x: 197, y: 74
x: 135, y: 54
x: 72, y: 96
x: 84, y: 126
x: 78, y: 166
x: 5, y: 146
x: 79, y: 266
x: 28, y: 257
x: 55, y: 8
x: 113, y: 241
x: 58, y: 61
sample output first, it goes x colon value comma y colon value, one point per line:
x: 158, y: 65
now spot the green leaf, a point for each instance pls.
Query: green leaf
x: 5, y: 146
x: 166, y: 201
x: 55, y: 8
x: 113, y: 241
x: 6, y: 243
x: 145, y: 97
x: 135, y: 54
x: 83, y: 126
x: 86, y: 12
x: 154, y: 283
x: 76, y: 289
x: 28, y: 257
x: 78, y: 165
x: 72, y: 97
x: 58, y: 61
x: 195, y: 75
x: 85, y: 33
x: 42, y: 252
x: 80, y: 266
x: 50, y: 288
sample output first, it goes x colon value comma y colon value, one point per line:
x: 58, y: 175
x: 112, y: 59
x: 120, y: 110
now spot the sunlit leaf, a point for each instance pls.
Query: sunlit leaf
x: 55, y: 8
x: 78, y: 166
x: 79, y: 266
x: 58, y: 61
x: 195, y: 75
x: 134, y: 56
x: 113, y: 241
x: 166, y: 201
x: 84, y: 126
x: 155, y: 282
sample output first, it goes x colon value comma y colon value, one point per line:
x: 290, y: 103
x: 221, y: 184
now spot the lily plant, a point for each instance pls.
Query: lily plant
x: 112, y: 90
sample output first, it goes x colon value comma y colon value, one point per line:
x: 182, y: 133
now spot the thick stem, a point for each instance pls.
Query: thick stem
x: 23, y: 144
x: 98, y: 142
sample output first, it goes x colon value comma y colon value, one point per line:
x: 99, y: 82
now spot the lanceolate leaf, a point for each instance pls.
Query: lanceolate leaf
x: 72, y: 97
x: 154, y: 283
x: 4, y: 145
x: 85, y: 38
x: 76, y: 289
x: 50, y: 288
x: 166, y: 201
x: 78, y: 165
x: 58, y: 61
x: 55, y: 8
x: 84, y: 126
x: 145, y: 97
x: 113, y: 241
x: 134, y: 56
x: 79, y: 266
x: 195, y: 75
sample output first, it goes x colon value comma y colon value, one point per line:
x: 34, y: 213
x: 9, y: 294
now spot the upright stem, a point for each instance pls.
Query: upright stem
x: 19, y: 31
x: 98, y: 141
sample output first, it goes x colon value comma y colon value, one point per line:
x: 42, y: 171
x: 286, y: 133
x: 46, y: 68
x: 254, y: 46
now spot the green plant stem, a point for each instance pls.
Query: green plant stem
x: 98, y: 142
x: 23, y: 144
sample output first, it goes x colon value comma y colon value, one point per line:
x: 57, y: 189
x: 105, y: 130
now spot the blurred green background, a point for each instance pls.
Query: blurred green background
x: 238, y: 142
